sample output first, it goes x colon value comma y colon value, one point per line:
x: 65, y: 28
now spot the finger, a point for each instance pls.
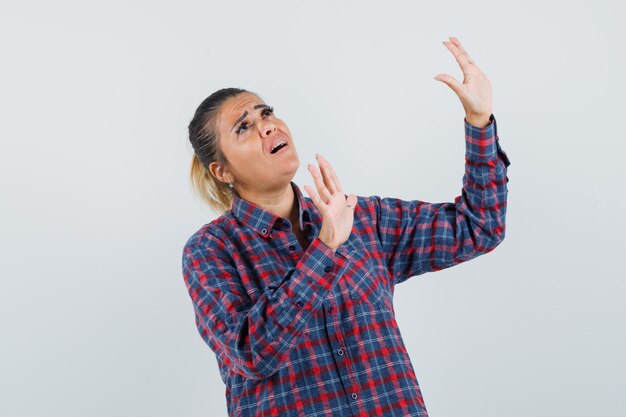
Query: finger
x: 318, y: 179
x: 460, y: 57
x: 451, y: 82
x: 316, y: 198
x: 352, y: 200
x: 454, y: 42
x: 331, y: 173
x: 319, y: 183
x: 458, y: 45
x: 327, y: 178
x: 334, y: 175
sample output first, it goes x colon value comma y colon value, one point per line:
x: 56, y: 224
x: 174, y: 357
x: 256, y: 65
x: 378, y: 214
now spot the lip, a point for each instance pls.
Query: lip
x: 275, y: 142
x: 281, y: 150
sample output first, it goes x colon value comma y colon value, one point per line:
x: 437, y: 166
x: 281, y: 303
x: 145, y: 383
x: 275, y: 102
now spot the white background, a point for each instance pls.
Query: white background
x: 96, y: 204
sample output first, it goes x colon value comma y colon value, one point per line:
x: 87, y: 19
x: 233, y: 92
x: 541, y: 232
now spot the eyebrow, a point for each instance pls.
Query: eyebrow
x: 245, y: 113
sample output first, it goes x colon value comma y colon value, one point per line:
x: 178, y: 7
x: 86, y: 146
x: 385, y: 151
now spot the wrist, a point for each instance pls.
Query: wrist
x: 332, y: 247
x: 327, y: 243
x: 480, y: 121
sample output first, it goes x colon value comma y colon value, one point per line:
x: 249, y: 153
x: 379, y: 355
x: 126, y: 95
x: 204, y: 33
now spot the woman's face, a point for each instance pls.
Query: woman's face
x: 248, y: 131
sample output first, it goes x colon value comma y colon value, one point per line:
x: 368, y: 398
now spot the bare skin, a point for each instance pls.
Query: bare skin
x: 264, y: 178
x: 475, y: 96
x: 475, y: 91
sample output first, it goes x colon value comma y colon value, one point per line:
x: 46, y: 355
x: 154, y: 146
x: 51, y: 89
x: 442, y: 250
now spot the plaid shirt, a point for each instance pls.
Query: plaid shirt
x: 311, y: 333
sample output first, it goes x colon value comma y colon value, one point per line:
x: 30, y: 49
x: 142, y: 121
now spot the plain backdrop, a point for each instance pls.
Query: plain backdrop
x: 96, y: 204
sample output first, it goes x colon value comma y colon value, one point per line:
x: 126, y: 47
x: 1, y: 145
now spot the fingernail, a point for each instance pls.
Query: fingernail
x: 317, y: 155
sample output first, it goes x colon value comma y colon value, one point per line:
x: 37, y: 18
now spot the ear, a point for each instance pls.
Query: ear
x: 219, y: 172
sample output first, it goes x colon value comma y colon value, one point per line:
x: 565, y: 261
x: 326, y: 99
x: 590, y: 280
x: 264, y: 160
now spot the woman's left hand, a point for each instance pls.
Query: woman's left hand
x: 475, y: 91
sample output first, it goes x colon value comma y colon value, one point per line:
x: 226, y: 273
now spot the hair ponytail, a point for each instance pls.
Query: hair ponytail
x: 205, y: 141
x: 209, y: 189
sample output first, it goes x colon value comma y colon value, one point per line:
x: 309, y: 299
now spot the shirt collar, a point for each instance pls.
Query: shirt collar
x: 262, y: 221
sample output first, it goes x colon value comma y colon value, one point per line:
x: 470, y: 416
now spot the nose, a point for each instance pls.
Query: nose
x: 267, y: 127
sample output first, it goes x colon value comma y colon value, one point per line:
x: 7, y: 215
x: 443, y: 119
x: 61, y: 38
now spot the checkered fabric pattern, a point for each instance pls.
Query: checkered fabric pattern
x: 309, y: 332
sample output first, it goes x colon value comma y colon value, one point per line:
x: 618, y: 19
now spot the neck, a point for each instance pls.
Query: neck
x: 281, y: 203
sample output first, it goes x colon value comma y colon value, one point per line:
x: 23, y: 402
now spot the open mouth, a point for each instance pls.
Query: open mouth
x: 280, y: 147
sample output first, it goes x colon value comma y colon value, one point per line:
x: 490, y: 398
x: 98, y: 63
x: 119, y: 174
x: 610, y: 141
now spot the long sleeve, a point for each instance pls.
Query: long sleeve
x: 417, y: 236
x: 254, y: 338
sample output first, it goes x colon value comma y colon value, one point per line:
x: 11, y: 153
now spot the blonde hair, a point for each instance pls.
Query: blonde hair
x: 209, y: 189
x: 205, y: 141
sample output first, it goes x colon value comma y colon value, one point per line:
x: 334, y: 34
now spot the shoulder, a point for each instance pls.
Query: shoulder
x: 211, y: 236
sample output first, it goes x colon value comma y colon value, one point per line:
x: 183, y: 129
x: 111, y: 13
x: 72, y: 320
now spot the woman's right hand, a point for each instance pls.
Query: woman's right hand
x: 330, y: 200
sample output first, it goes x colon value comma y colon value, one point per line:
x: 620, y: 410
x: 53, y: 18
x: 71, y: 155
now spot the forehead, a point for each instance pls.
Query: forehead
x: 232, y: 109
x: 235, y: 106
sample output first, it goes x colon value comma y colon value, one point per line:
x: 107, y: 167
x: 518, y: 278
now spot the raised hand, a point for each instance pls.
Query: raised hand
x: 330, y: 200
x: 475, y: 91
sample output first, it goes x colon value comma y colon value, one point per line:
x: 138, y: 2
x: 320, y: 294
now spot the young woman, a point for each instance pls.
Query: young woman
x: 294, y: 294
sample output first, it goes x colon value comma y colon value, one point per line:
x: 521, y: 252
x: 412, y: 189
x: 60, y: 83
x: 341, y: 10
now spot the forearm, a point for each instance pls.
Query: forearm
x: 256, y: 338
x: 485, y: 181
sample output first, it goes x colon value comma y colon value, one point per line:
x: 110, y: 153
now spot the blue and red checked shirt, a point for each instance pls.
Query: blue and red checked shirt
x: 307, y: 332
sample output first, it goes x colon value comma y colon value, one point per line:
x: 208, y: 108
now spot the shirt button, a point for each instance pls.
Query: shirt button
x: 330, y: 309
x: 299, y: 303
x: 354, y: 396
x: 264, y: 231
x: 340, y: 352
x: 327, y: 269
x: 292, y: 247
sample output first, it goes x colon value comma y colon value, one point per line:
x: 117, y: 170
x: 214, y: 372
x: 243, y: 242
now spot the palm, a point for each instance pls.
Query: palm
x: 475, y: 91
x: 332, y: 203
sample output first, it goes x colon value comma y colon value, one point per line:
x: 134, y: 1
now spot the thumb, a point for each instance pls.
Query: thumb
x: 450, y: 81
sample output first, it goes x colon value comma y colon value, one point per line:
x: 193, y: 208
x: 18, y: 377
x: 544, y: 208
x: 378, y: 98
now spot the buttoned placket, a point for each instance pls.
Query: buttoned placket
x: 283, y: 238
x: 344, y: 366
x: 293, y: 246
x: 336, y: 341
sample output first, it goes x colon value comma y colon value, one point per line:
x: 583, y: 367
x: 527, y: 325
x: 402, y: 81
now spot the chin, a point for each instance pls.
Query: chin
x: 294, y: 166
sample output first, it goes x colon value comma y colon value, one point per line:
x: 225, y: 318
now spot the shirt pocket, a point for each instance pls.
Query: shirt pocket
x: 366, y: 285
x: 364, y: 278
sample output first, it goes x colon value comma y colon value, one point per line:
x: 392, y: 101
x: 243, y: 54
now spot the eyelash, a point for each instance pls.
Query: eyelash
x: 269, y: 109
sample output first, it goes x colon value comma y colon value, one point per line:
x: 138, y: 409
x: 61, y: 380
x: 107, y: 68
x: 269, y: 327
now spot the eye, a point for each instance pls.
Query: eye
x: 242, y: 125
x: 268, y: 110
